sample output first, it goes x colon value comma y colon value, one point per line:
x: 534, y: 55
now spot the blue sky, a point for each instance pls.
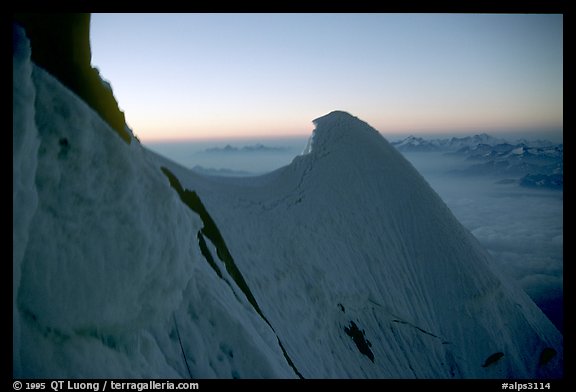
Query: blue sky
x: 190, y: 76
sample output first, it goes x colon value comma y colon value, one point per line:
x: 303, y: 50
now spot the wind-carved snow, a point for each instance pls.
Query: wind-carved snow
x: 308, y: 148
x: 351, y: 265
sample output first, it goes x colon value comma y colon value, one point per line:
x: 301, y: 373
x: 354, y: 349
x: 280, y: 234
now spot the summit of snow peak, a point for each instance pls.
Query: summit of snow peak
x: 336, y: 115
x: 339, y: 129
x: 339, y: 121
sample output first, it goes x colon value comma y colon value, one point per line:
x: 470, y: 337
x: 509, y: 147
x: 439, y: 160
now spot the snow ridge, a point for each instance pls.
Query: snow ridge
x: 334, y: 126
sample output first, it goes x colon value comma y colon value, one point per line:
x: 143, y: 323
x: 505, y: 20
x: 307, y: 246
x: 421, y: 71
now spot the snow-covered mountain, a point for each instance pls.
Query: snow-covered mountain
x: 541, y: 167
x: 419, y: 144
x: 456, y: 143
x: 534, y: 163
x: 343, y: 264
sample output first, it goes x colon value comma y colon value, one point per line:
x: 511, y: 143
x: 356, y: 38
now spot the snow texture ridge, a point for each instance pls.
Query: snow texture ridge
x: 342, y: 264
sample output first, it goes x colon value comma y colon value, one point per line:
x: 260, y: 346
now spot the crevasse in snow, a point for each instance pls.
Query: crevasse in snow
x: 343, y: 264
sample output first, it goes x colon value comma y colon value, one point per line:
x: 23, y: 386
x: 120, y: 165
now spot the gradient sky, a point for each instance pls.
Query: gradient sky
x: 190, y: 76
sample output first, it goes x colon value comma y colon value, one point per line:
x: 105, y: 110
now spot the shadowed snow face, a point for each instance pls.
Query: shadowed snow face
x: 522, y: 228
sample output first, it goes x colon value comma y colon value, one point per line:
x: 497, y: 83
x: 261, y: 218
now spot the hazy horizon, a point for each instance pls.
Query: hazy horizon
x: 553, y: 135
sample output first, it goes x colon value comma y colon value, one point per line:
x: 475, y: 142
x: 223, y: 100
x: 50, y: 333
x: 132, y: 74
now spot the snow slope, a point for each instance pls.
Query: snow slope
x: 344, y: 263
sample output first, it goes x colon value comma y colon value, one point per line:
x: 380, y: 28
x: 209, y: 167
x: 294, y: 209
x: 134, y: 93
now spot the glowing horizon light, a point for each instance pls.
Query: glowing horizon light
x: 195, y: 76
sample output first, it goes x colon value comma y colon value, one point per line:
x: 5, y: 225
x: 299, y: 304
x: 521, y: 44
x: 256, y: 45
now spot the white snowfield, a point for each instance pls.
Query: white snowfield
x: 343, y: 264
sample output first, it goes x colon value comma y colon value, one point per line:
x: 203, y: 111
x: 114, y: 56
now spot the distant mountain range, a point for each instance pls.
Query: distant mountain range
x: 251, y: 148
x: 419, y: 144
x: 536, y: 163
x: 208, y: 171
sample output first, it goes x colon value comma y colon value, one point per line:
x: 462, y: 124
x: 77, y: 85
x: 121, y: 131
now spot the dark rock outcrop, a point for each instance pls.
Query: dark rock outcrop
x: 61, y: 45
